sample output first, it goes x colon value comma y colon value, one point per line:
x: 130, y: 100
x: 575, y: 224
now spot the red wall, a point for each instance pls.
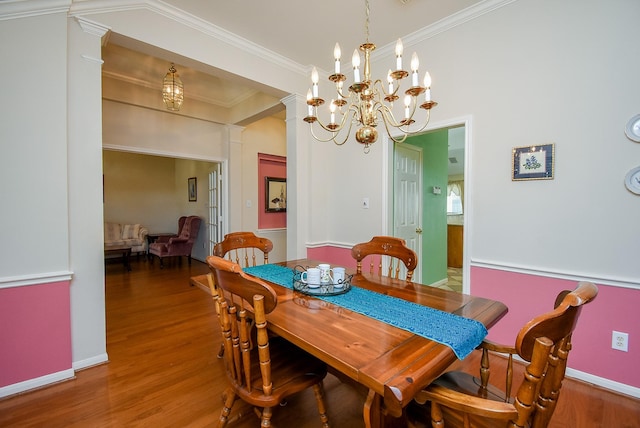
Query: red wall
x: 270, y: 166
x: 613, y: 309
x: 35, y: 331
x: 334, y: 255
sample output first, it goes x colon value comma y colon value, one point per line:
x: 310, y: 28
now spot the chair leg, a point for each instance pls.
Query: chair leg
x: 267, y: 412
x: 318, y: 391
x: 229, y: 398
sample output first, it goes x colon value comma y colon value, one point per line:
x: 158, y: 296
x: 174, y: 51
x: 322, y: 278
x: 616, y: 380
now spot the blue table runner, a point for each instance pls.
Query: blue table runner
x: 461, y: 334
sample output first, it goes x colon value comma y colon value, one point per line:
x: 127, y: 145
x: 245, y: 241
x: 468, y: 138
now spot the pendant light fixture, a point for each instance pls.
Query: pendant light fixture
x: 172, y: 90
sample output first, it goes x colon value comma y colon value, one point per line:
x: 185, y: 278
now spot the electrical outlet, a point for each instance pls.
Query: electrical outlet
x: 620, y: 341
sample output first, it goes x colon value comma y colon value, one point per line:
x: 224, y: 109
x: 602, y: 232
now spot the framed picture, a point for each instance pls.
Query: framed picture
x: 192, y: 187
x: 275, y: 193
x: 533, y: 162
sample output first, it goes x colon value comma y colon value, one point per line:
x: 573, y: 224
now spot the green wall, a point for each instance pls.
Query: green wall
x: 434, y: 207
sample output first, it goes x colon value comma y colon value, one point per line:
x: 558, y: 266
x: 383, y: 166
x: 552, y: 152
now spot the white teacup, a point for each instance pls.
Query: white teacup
x: 311, y: 277
x: 338, y: 276
x: 325, y: 273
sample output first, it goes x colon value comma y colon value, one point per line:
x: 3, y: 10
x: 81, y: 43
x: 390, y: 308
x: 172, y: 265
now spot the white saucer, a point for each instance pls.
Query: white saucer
x: 633, y: 128
x: 632, y: 180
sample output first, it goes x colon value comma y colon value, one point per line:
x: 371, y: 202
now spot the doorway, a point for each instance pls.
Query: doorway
x: 407, y: 199
x: 152, y: 190
x: 455, y: 165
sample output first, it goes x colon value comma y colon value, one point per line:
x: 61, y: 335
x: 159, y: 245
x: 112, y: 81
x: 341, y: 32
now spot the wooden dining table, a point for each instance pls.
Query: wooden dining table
x: 394, y: 364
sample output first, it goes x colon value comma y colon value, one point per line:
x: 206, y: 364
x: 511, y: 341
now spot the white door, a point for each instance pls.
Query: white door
x: 215, y: 208
x: 407, y: 199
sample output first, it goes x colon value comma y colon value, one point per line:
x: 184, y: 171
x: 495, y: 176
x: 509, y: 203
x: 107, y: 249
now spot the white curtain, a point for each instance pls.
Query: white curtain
x: 457, y: 187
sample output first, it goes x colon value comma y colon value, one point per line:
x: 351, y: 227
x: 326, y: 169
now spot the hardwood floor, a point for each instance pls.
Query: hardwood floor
x: 162, y: 340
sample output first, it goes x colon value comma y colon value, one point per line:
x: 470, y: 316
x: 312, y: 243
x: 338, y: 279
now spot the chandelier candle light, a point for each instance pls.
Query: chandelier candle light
x: 368, y: 101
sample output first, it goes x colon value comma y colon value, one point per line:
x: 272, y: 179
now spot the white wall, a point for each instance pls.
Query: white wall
x: 34, y: 198
x: 531, y: 72
x: 536, y: 72
x: 161, y: 132
x: 50, y: 199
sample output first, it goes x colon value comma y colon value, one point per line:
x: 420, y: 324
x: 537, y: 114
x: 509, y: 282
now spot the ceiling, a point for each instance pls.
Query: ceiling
x: 301, y: 30
x: 306, y: 31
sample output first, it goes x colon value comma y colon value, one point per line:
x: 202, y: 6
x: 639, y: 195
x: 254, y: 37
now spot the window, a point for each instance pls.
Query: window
x: 454, y: 201
x: 454, y: 204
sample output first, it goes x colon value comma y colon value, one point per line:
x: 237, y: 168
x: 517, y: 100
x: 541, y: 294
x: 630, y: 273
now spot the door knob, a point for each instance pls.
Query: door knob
x: 418, y: 230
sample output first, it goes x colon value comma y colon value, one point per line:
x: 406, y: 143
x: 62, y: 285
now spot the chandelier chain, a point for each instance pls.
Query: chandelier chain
x: 366, y: 22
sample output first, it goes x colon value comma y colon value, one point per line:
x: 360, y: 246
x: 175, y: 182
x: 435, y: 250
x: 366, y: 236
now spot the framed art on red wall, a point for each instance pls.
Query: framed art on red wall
x: 275, y: 193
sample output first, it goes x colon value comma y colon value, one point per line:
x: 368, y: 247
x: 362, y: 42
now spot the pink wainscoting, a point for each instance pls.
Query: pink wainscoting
x: 334, y: 255
x: 615, y: 308
x: 340, y: 257
x: 35, y: 332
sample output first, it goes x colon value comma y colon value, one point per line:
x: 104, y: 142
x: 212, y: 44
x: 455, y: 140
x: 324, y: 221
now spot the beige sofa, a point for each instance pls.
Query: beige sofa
x: 133, y: 235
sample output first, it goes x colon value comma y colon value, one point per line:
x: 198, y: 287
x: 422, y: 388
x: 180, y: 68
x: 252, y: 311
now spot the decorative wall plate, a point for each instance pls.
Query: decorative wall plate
x: 633, y: 128
x: 632, y: 180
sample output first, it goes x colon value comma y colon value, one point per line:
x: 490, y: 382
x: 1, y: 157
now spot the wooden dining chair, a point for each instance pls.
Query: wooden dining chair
x: 393, y: 254
x: 458, y: 399
x: 262, y: 371
x: 241, y: 248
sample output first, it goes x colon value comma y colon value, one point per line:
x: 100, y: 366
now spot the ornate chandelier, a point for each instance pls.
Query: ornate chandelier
x: 368, y: 101
x: 172, y: 90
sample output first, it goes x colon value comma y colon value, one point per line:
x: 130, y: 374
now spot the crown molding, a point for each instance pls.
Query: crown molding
x: 13, y: 9
x: 92, y: 27
x: 93, y: 7
x: 445, y: 24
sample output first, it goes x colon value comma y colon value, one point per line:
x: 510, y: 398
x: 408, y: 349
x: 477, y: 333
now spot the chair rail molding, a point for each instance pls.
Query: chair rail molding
x: 36, y: 279
x: 551, y: 273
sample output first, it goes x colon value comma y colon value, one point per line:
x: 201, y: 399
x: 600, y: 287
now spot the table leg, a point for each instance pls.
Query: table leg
x: 372, y: 410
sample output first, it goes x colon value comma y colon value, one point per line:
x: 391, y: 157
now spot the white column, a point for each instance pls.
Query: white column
x: 84, y: 124
x: 298, y: 176
x: 234, y: 176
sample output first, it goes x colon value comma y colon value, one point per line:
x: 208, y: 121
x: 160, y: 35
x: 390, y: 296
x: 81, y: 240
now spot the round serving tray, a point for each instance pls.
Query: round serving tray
x: 319, y: 289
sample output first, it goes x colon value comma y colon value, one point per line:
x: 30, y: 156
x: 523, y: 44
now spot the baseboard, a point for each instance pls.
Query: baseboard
x: 580, y: 376
x: 611, y: 385
x: 90, y: 362
x: 436, y: 284
x: 35, y: 383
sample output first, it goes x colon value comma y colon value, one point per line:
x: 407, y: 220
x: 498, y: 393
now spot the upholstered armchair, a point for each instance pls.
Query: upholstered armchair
x: 180, y: 244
